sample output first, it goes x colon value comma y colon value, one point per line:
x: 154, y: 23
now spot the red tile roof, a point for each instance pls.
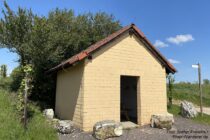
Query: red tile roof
x: 85, y: 53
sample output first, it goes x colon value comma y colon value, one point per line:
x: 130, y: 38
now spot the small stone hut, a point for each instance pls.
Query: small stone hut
x: 121, y: 78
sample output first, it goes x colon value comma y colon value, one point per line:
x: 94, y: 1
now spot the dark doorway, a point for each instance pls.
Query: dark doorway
x: 128, y: 98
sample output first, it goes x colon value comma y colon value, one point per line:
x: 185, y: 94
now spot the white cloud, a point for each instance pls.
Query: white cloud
x: 174, y: 61
x: 160, y: 44
x: 178, y: 39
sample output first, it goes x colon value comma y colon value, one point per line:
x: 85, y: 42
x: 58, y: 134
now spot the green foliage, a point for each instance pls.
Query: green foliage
x: 171, y: 81
x: 5, y: 83
x: 174, y: 109
x: 27, y: 69
x: 3, y: 71
x: 15, y: 30
x: 46, y: 41
x: 4, y: 80
x: 206, y: 81
x: 16, y: 77
x: 190, y: 92
x: 11, y: 128
x: 194, y: 98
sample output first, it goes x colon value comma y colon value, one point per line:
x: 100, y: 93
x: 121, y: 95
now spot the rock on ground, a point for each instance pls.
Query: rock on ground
x: 107, y: 129
x: 65, y: 126
x: 162, y: 121
x: 48, y: 113
x: 148, y: 133
x: 188, y: 110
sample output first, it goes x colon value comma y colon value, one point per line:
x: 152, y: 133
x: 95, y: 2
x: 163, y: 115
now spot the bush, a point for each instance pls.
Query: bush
x: 5, y: 83
x: 16, y: 77
x: 11, y: 128
x: 45, y: 41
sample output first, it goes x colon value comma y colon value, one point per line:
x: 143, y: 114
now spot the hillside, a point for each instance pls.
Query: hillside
x: 190, y: 92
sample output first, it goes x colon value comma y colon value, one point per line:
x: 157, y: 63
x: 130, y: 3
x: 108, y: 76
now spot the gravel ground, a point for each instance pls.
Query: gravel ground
x: 183, y: 129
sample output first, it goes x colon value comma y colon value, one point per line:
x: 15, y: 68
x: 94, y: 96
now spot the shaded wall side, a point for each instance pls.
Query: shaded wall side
x: 69, y: 94
x: 125, y: 56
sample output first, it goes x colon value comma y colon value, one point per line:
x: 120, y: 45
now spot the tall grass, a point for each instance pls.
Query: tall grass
x: 12, y: 129
x: 5, y: 83
x: 192, y: 88
x: 190, y: 92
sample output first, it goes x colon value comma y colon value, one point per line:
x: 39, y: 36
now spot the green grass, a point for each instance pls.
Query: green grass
x: 5, y: 83
x: 192, y: 88
x: 175, y: 110
x: 190, y: 92
x: 194, y: 98
x: 205, y: 119
x: 12, y: 129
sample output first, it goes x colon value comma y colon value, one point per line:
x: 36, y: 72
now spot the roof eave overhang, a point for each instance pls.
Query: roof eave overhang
x: 132, y: 29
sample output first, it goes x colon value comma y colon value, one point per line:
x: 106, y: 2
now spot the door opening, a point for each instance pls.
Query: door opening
x: 128, y: 98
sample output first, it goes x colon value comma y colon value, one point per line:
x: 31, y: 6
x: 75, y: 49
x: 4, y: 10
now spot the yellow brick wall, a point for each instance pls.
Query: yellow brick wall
x: 69, y: 94
x: 125, y: 56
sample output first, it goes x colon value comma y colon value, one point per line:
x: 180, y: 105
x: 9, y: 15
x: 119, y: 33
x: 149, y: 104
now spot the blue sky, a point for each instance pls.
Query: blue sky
x: 180, y: 28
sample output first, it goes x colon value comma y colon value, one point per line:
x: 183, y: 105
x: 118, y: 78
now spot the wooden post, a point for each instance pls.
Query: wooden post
x: 200, y: 88
x: 25, y: 101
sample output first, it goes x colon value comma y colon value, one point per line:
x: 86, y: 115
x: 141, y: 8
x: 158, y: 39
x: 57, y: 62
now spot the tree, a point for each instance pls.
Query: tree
x: 16, y: 77
x: 206, y: 81
x: 15, y: 31
x: 45, y: 41
x: 23, y: 92
x: 3, y: 71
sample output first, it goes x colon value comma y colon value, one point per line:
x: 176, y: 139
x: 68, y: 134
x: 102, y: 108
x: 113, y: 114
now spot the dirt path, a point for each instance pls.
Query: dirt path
x: 184, y: 129
x: 206, y: 110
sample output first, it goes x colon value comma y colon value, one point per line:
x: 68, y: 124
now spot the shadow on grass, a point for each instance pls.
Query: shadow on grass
x: 174, y: 109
